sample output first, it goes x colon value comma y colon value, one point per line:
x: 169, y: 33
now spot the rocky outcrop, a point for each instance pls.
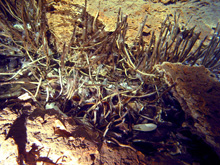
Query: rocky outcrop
x: 198, y: 92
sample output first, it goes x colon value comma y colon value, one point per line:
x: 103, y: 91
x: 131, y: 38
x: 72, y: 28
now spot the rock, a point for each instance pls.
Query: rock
x: 167, y: 1
x: 198, y: 92
x: 63, y: 17
x: 164, y: 1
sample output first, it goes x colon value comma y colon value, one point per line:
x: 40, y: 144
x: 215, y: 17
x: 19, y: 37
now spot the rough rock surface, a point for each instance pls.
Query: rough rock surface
x: 203, y: 14
x: 63, y: 17
x: 198, y: 92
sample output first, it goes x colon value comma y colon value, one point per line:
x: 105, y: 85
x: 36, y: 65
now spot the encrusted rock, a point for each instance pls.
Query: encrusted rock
x: 198, y: 92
